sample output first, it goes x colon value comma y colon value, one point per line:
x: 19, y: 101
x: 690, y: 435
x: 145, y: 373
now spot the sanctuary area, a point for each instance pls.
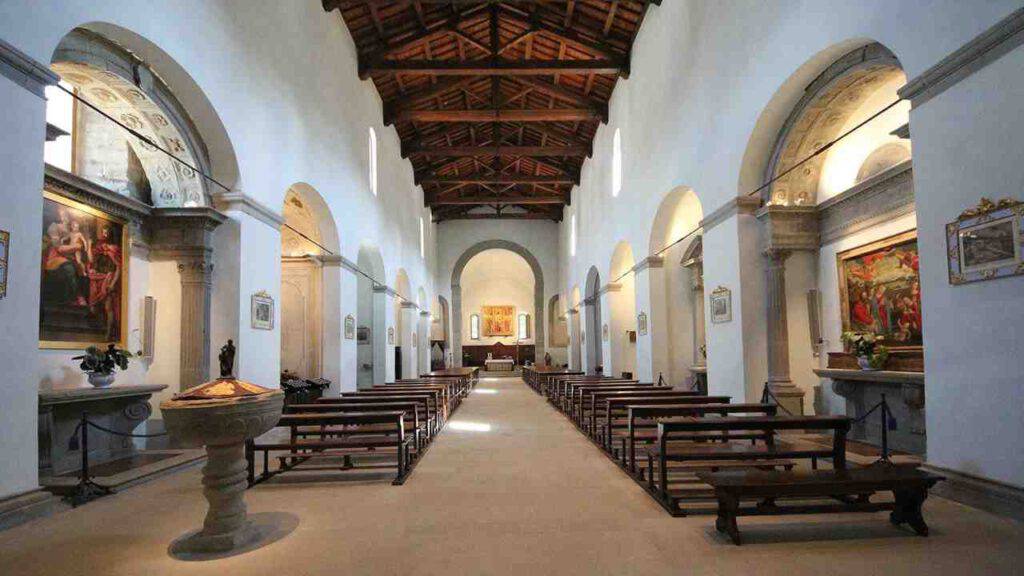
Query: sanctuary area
x: 511, y: 287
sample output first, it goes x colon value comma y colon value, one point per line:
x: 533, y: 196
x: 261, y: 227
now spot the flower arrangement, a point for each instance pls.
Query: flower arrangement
x: 100, y: 364
x: 865, y: 346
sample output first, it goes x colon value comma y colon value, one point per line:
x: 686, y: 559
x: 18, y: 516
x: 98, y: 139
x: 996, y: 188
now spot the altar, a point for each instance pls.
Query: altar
x: 499, y: 364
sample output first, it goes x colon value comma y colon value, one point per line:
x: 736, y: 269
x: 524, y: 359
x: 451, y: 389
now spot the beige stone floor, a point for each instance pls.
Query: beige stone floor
x: 528, y: 496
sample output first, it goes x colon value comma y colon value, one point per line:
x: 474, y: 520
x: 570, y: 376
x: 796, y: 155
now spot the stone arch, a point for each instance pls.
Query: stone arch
x: 538, y: 293
x: 621, y: 320
x: 310, y: 287
x: 830, y: 94
x: 675, y: 312
x: 558, y: 336
x: 575, y: 346
x: 591, y: 334
x: 123, y: 75
x: 371, y: 317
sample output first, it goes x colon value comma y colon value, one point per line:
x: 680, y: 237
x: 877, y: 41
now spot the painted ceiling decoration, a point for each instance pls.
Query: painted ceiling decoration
x: 496, y: 103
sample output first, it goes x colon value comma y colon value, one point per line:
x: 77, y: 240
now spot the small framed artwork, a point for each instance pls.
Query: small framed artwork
x: 350, y: 327
x: 5, y: 249
x: 641, y: 323
x: 986, y: 242
x: 363, y: 335
x: 391, y: 335
x: 604, y: 332
x: 262, y: 311
x: 721, y: 305
x: 414, y: 335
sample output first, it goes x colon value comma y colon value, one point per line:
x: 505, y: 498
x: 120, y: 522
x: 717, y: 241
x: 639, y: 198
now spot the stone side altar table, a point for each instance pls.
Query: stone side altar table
x: 904, y: 392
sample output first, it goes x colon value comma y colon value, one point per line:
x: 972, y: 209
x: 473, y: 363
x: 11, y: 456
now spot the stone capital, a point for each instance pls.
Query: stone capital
x: 650, y: 262
x: 789, y: 227
x: 238, y: 201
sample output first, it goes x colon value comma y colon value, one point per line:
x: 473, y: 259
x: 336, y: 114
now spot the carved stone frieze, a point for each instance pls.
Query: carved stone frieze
x: 789, y: 228
x: 881, y: 198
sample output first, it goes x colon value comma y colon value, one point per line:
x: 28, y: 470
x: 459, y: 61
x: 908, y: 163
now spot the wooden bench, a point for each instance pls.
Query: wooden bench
x: 415, y: 415
x: 605, y: 404
x: 357, y: 433
x: 851, y: 490
x: 432, y: 400
x: 573, y: 391
x: 559, y: 386
x: 698, y: 455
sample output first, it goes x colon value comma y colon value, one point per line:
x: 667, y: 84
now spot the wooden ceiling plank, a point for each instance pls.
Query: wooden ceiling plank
x: 503, y: 115
x: 492, y: 67
x: 496, y: 179
x: 444, y: 151
x: 468, y: 200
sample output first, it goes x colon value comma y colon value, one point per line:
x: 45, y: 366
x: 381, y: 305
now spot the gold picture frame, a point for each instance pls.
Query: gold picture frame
x: 56, y: 321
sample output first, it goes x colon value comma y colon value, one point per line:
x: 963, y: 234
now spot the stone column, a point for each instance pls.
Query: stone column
x: 573, y: 321
x: 779, y: 382
x: 423, y: 346
x: 196, y: 290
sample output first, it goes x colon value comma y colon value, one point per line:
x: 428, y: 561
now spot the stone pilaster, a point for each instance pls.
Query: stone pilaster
x: 778, y: 332
x: 186, y: 235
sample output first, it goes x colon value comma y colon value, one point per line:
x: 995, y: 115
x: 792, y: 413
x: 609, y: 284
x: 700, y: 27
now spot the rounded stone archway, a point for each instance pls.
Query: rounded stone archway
x: 538, y: 293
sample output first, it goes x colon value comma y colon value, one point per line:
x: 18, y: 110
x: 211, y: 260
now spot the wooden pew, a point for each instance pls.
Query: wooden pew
x: 415, y: 415
x: 565, y: 397
x: 431, y: 398
x: 557, y: 385
x: 452, y: 390
x: 610, y: 410
x: 642, y: 419
x: 593, y: 402
x: 700, y: 454
x: 851, y: 491
x: 357, y: 433
x: 579, y: 393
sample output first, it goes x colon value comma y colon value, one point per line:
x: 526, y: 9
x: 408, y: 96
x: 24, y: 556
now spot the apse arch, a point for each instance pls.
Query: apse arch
x: 538, y: 293
x: 161, y: 78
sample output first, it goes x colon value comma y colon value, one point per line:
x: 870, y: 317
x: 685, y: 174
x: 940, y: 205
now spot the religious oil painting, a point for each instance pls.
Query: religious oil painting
x: 880, y: 289
x: 262, y: 311
x: 499, y: 320
x: 986, y: 242
x: 84, y: 256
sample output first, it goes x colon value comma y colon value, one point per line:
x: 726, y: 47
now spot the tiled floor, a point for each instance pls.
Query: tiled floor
x: 510, y: 487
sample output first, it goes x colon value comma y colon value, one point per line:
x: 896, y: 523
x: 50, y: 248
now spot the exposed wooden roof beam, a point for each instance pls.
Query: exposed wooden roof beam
x: 496, y: 179
x: 551, y: 89
x: 505, y: 115
x: 577, y: 40
x: 433, y: 31
x: 502, y: 216
x: 431, y: 151
x: 492, y: 67
x: 474, y: 200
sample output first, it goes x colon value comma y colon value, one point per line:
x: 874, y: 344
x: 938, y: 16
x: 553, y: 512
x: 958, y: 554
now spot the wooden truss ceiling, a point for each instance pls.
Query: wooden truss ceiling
x: 496, y: 103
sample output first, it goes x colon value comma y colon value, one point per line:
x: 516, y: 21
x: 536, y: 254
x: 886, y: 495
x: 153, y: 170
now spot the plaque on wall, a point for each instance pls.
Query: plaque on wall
x: 880, y: 290
x: 721, y: 305
x: 604, y: 332
x: 84, y: 265
x: 986, y: 242
x: 641, y: 323
x: 350, y: 327
x: 262, y: 311
x: 5, y: 249
x: 391, y: 335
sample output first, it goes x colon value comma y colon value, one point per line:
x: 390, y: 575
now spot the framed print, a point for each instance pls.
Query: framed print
x: 84, y: 267
x: 262, y: 311
x: 986, y: 242
x: 604, y: 332
x: 350, y: 327
x: 391, y: 335
x: 641, y: 323
x: 721, y: 305
x: 5, y: 250
x: 499, y: 320
x: 880, y: 290
x: 363, y: 335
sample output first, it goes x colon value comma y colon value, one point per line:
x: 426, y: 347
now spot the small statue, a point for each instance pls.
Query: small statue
x: 227, y: 360
x: 547, y: 359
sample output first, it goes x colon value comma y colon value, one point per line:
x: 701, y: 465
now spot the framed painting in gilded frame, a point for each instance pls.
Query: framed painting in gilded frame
x: 499, y: 320
x: 84, y: 271
x: 262, y: 311
x: 720, y: 303
x: 880, y: 290
x: 986, y: 242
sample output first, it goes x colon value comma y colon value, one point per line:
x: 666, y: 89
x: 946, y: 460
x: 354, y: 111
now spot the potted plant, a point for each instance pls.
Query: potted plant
x: 100, y: 364
x: 864, y: 345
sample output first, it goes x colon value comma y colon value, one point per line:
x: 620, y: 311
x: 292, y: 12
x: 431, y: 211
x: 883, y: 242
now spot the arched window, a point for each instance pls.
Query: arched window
x: 572, y: 235
x: 373, y: 160
x: 523, y: 331
x: 423, y: 240
x: 616, y: 163
x: 474, y: 327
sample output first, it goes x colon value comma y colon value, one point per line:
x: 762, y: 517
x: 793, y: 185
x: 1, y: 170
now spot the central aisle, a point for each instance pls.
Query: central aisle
x: 509, y: 487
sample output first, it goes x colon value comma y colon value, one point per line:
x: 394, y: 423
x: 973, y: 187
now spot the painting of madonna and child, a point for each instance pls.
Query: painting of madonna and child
x: 880, y: 288
x: 83, y: 271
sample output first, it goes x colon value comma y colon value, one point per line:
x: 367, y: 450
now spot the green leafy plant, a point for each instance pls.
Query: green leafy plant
x: 866, y: 345
x: 103, y: 361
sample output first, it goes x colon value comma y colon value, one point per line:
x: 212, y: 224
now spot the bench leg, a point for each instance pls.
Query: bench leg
x: 726, y: 521
x: 908, y: 509
x: 250, y: 462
